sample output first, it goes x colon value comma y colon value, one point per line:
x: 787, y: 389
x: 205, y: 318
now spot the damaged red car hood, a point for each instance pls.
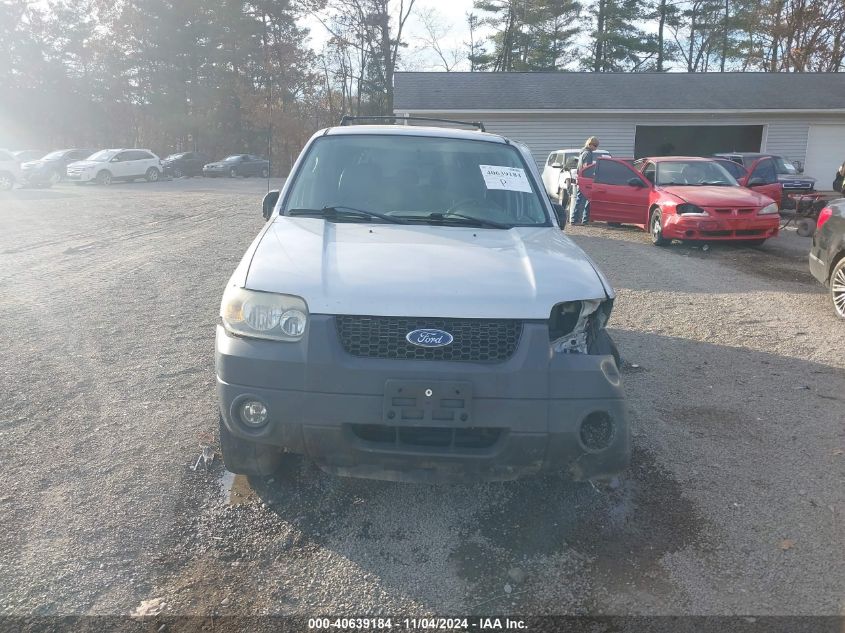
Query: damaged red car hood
x: 714, y: 196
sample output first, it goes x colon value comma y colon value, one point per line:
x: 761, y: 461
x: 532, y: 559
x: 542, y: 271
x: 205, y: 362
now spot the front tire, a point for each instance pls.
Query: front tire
x: 152, y: 175
x: 837, y: 288
x: 104, y: 178
x: 265, y: 173
x: 655, y: 227
x: 177, y: 172
x: 7, y: 181
x: 243, y: 457
x: 233, y: 173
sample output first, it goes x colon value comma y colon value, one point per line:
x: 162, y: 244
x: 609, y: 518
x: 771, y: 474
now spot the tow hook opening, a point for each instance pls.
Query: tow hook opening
x: 597, y: 431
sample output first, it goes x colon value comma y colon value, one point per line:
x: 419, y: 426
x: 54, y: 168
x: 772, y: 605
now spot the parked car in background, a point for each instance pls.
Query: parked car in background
x: 109, y: 165
x: 25, y: 155
x: 678, y: 197
x: 377, y: 358
x: 51, y: 168
x: 560, y: 173
x: 242, y: 165
x: 10, y: 170
x: 786, y: 173
x: 762, y: 177
x: 827, y: 255
x: 183, y: 164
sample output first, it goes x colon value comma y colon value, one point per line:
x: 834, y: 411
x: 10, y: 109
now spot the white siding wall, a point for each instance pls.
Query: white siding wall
x: 543, y: 133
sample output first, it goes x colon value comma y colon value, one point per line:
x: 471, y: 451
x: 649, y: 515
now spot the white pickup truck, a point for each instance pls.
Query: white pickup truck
x: 413, y: 311
x: 560, y: 173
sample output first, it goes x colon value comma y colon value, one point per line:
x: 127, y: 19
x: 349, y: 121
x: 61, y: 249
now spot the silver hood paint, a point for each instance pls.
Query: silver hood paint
x: 419, y: 270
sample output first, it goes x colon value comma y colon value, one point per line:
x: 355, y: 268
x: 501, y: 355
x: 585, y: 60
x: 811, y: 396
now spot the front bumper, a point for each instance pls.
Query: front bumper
x: 330, y: 405
x: 80, y: 176
x: 712, y: 227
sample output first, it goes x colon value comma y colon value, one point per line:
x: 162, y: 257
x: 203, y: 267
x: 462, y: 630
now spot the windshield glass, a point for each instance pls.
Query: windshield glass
x: 694, y: 173
x: 414, y: 176
x: 175, y: 156
x: 102, y: 155
x: 784, y: 167
x: 53, y: 155
x: 232, y: 158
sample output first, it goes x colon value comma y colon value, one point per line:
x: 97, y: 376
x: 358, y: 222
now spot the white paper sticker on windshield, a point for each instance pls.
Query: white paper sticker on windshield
x: 507, y: 178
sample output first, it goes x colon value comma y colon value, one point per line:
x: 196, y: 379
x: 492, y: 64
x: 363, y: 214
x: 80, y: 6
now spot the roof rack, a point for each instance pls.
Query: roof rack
x: 352, y: 120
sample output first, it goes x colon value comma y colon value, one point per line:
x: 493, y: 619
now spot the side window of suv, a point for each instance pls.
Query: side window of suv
x: 552, y: 159
x: 766, y: 171
x: 613, y: 173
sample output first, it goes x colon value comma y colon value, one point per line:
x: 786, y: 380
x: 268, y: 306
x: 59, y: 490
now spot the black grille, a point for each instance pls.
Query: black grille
x: 475, y: 340
x: 428, y: 436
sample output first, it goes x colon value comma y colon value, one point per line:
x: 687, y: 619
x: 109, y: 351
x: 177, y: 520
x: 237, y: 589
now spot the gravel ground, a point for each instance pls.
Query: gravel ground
x: 733, y: 505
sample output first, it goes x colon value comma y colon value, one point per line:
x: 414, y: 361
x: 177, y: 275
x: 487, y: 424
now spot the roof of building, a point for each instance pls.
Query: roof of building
x: 487, y: 91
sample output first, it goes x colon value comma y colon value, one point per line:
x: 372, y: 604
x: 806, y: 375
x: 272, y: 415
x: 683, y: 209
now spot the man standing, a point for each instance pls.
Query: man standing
x: 581, y: 209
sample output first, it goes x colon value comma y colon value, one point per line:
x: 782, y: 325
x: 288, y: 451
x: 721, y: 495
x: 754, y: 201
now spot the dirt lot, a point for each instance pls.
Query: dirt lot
x: 108, y: 299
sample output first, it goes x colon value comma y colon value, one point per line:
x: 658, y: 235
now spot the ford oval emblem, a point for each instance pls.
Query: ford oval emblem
x: 429, y: 338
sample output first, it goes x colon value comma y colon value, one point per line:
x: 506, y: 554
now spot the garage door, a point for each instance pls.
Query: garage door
x: 825, y: 152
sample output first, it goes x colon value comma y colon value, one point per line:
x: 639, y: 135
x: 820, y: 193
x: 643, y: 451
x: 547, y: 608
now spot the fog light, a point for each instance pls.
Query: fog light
x: 253, y: 413
x: 597, y: 431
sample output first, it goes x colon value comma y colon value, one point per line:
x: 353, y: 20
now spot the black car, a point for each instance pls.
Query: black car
x: 51, y: 168
x: 183, y: 164
x: 787, y: 174
x: 827, y: 257
x: 25, y: 155
x: 238, y: 165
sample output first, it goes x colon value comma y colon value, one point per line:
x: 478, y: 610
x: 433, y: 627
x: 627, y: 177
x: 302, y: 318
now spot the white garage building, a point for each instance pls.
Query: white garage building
x: 800, y: 116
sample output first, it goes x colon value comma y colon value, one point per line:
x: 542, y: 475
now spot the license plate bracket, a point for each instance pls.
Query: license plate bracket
x: 428, y: 403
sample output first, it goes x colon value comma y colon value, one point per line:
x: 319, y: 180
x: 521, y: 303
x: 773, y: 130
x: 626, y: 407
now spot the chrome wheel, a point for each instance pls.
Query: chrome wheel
x: 837, y: 289
x: 657, y: 230
x: 152, y: 174
x: 104, y: 178
x: 6, y: 182
x: 54, y: 177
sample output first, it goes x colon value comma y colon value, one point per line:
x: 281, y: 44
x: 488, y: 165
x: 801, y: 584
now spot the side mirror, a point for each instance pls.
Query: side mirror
x: 560, y: 212
x: 556, y: 166
x: 636, y: 182
x: 269, y: 203
x: 755, y: 182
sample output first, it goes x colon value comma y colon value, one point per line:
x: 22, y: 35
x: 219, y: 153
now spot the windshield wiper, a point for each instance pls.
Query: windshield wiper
x: 466, y: 220
x: 332, y: 212
x: 716, y: 183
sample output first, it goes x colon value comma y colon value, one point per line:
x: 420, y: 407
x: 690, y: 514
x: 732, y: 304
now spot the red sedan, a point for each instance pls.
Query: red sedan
x: 678, y: 198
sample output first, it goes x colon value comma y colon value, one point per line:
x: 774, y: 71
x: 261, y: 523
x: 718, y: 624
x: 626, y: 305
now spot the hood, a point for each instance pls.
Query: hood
x: 391, y: 270
x: 87, y: 163
x: 719, y: 196
x: 792, y: 178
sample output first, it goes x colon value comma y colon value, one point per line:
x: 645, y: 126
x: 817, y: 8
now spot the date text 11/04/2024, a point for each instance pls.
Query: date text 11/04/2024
x: 413, y: 624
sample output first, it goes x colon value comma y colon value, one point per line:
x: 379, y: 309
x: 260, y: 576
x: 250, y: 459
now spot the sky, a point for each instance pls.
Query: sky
x: 452, y: 14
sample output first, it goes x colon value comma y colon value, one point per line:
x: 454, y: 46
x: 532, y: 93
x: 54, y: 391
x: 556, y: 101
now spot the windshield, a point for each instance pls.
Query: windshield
x: 783, y: 167
x: 413, y: 177
x: 175, y: 156
x: 53, y: 155
x: 693, y: 173
x: 231, y: 159
x: 102, y: 155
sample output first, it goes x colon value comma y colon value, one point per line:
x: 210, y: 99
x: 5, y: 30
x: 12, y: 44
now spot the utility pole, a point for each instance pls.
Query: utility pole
x: 660, y: 36
x: 725, y: 37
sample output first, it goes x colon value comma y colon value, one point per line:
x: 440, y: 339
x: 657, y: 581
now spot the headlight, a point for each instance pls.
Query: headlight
x: 768, y: 209
x: 263, y: 315
x: 687, y: 208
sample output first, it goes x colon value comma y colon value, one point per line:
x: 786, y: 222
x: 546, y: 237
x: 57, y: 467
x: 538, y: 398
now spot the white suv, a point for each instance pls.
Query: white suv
x: 10, y: 170
x: 560, y: 174
x: 413, y: 311
x: 109, y: 165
